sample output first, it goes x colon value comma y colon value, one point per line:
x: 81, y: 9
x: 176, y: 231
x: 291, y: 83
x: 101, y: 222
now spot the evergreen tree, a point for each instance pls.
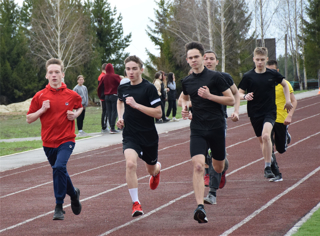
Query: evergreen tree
x: 166, y: 42
x: 18, y: 80
x: 312, y: 38
x: 107, y: 27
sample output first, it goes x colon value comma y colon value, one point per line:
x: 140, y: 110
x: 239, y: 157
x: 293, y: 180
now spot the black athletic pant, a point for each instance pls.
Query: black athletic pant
x: 163, y: 104
x: 111, y: 105
x: 104, y: 118
x: 172, y: 104
x: 80, y: 119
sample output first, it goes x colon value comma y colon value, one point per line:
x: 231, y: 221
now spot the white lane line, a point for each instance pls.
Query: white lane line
x: 296, y: 227
x: 307, y: 106
x: 273, y: 200
x: 88, y: 198
x: 148, y: 214
x: 147, y: 176
x: 85, y: 171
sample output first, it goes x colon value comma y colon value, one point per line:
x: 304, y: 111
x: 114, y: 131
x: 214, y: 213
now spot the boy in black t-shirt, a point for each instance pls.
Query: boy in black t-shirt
x: 260, y: 85
x: 138, y: 105
x: 204, y: 87
x: 213, y: 179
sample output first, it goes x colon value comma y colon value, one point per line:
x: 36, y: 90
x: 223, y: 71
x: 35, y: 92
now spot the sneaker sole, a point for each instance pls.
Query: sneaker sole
x: 207, y: 201
x: 200, y: 217
x: 58, y: 217
x: 76, y: 209
x: 137, y: 213
x: 275, y: 180
x: 270, y: 176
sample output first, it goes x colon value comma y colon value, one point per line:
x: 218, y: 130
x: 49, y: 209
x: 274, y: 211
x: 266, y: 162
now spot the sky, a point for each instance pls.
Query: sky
x: 136, y: 14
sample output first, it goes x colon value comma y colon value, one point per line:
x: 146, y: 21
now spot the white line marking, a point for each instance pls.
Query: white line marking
x: 148, y: 214
x: 296, y: 227
x: 123, y: 185
x: 273, y: 200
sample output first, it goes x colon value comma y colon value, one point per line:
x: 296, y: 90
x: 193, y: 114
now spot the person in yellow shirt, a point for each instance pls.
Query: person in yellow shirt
x: 280, y: 135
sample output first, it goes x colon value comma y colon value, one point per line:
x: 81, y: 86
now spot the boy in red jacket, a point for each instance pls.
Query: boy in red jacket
x: 54, y: 106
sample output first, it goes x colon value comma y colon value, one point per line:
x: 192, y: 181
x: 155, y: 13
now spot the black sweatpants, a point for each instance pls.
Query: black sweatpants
x: 80, y: 119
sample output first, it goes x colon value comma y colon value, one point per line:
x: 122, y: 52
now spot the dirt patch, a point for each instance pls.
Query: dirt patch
x: 16, y: 108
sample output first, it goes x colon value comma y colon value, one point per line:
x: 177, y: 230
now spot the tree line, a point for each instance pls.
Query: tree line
x: 232, y: 29
x: 83, y: 34
x: 86, y: 34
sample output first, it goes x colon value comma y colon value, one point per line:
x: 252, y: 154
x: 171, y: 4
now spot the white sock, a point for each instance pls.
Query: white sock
x: 134, y: 194
x: 80, y: 130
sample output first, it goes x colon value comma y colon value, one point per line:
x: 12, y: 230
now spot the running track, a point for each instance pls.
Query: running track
x: 248, y: 205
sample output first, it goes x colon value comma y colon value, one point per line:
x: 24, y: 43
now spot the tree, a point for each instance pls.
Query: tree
x: 312, y: 38
x: 59, y: 30
x: 169, y: 59
x: 107, y: 28
x: 18, y: 74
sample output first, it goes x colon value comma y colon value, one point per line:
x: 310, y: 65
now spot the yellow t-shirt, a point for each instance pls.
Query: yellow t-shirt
x: 280, y: 102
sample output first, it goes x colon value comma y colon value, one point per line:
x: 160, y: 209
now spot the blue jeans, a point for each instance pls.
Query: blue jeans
x: 58, y: 159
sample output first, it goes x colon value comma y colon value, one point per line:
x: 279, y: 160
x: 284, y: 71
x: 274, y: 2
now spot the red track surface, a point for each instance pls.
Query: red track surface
x: 248, y: 205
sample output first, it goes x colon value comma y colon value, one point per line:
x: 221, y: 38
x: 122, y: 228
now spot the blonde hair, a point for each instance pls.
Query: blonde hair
x: 263, y: 51
x: 56, y: 62
x: 80, y: 76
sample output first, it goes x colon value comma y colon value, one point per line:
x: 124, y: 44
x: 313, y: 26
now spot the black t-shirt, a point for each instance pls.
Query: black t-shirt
x: 206, y: 114
x: 139, y: 127
x: 230, y: 82
x: 263, y: 88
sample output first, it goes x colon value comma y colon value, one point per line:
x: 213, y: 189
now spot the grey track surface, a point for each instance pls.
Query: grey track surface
x: 98, y: 140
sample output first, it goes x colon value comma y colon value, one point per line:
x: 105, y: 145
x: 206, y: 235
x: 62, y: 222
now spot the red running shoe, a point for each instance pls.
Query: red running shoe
x: 136, y: 209
x: 155, y: 180
x: 223, y: 180
x: 206, y: 180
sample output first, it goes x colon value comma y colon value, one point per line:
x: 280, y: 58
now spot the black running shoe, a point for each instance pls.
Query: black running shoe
x: 288, y: 138
x: 200, y: 215
x: 268, y: 173
x: 274, y: 165
x: 75, y: 202
x: 58, y: 213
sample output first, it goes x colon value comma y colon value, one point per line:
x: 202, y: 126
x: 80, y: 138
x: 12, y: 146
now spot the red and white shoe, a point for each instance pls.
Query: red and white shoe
x: 155, y: 180
x: 136, y: 209
x: 223, y: 180
x: 206, y: 180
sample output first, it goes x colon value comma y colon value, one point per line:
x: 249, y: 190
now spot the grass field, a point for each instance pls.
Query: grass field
x: 311, y: 227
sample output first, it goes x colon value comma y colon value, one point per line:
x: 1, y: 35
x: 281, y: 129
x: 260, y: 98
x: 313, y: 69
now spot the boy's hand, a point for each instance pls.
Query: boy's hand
x: 120, y: 123
x: 204, y: 92
x: 45, y: 105
x: 249, y: 96
x: 131, y: 102
x: 288, y: 106
x: 185, y: 113
x: 71, y: 115
x: 234, y: 116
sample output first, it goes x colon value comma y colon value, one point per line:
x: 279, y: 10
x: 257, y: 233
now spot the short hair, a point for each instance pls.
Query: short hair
x: 263, y: 51
x: 272, y: 62
x: 103, y: 67
x: 157, y: 75
x: 210, y: 51
x: 80, y: 76
x: 194, y: 45
x: 135, y: 59
x: 54, y: 61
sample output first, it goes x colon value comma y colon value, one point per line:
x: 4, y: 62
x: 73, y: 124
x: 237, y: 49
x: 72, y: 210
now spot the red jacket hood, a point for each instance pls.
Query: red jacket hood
x: 63, y: 86
x: 109, y: 69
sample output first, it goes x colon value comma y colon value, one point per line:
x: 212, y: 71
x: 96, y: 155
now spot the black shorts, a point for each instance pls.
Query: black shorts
x: 215, y: 139
x: 148, y: 154
x: 279, y: 137
x: 258, y: 123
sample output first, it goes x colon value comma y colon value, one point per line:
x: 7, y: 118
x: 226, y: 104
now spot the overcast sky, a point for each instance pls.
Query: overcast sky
x: 136, y: 14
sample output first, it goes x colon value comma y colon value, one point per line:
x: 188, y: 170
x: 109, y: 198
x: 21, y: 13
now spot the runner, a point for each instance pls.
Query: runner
x: 260, y: 85
x: 280, y: 136
x: 138, y: 105
x: 204, y: 88
x: 54, y: 106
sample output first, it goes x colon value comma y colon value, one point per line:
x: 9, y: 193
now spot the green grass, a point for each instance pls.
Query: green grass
x: 311, y: 227
x: 8, y: 148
